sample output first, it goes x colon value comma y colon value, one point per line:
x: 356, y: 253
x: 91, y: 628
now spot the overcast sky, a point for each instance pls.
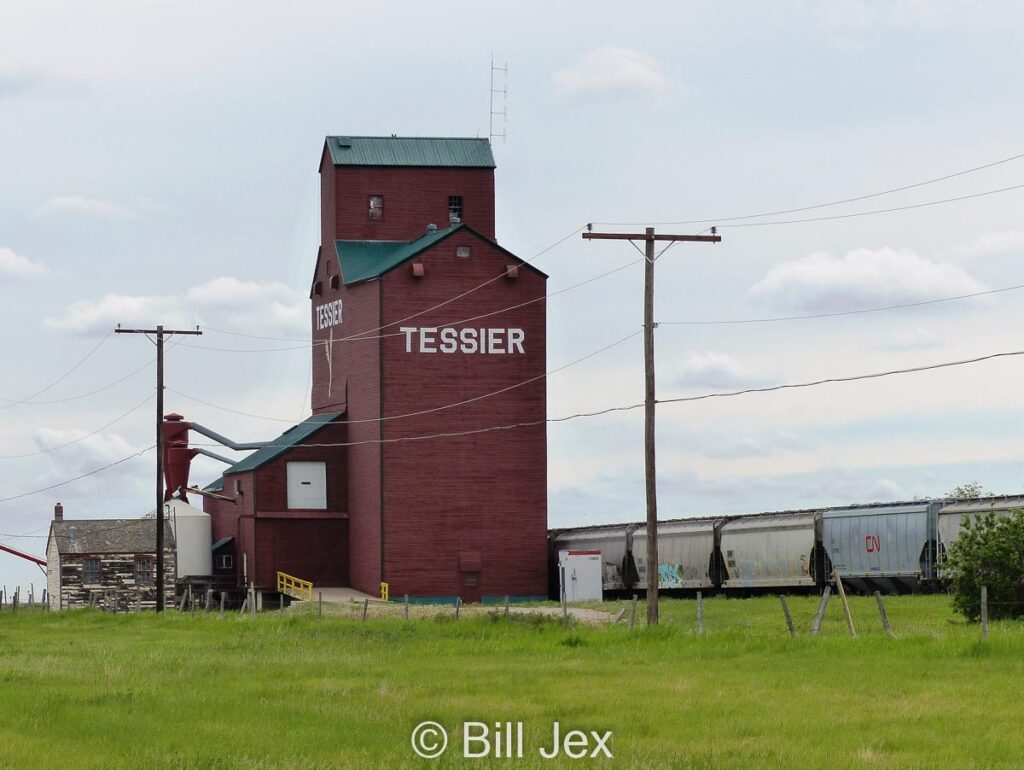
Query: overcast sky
x: 158, y: 164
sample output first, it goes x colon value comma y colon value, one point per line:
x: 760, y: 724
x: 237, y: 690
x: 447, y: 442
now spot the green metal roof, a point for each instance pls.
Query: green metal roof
x: 290, y: 438
x: 363, y: 260
x: 410, y: 151
x: 215, y: 486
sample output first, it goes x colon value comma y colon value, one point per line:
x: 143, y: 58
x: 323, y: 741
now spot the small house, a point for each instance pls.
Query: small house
x: 109, y: 563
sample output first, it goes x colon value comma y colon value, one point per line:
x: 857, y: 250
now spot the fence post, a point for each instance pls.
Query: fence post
x: 458, y: 606
x: 252, y: 598
x: 632, y: 613
x: 366, y: 604
x: 221, y: 613
x: 816, y: 625
x: 565, y: 610
x: 789, y: 618
x: 405, y: 608
x: 846, y: 604
x: 620, y: 616
x: 138, y: 601
x: 507, y: 603
x: 881, y: 611
x: 984, y: 612
x: 320, y: 605
x: 700, y: 614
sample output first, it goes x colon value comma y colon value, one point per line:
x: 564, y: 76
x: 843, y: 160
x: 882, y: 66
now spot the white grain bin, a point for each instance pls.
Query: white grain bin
x: 193, y: 535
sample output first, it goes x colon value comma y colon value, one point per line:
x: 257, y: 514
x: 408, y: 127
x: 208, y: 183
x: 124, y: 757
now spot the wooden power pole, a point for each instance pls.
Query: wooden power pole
x: 159, y: 333
x: 649, y: 237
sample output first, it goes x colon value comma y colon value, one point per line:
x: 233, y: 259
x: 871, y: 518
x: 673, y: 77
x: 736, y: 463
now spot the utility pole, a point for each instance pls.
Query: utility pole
x: 159, y: 333
x: 650, y: 401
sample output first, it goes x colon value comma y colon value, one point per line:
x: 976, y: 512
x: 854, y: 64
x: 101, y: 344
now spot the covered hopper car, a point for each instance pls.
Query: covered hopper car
x: 888, y: 547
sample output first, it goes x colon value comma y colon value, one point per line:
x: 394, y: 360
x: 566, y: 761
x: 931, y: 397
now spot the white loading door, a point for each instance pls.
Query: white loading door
x: 307, y: 485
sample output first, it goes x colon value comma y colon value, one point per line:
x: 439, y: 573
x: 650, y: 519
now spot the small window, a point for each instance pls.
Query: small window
x: 334, y: 282
x: 225, y: 561
x: 91, y: 571
x: 318, y: 288
x: 144, y: 572
x: 462, y: 252
x: 454, y: 208
x: 376, y: 207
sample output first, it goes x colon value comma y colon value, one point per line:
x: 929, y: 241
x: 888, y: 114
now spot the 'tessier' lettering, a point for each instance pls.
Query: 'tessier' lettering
x: 430, y: 339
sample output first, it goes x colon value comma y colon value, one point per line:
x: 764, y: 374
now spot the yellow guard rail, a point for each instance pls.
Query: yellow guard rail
x: 294, y: 587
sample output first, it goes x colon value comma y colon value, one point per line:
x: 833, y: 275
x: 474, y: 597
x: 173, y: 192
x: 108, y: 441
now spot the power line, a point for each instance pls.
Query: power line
x: 852, y: 378
x: 841, y: 312
x: 781, y: 212
x: 76, y: 478
x: 28, y: 399
x: 359, y: 337
x: 81, y: 438
x: 91, y: 392
x: 878, y: 211
x: 433, y: 409
x: 681, y: 399
x: 567, y: 418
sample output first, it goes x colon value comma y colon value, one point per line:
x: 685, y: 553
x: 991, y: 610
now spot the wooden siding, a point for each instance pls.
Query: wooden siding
x: 116, y: 588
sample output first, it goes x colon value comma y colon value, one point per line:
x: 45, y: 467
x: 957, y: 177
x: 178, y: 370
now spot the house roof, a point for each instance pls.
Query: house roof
x: 293, y: 436
x: 363, y: 260
x: 452, y: 152
x: 108, y: 535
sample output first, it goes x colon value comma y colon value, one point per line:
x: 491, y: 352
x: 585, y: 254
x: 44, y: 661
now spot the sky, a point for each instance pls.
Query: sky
x: 158, y: 163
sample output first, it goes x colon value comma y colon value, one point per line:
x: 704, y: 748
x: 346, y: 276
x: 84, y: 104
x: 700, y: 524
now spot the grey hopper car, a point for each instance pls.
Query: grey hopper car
x: 769, y: 550
x: 888, y: 547
x: 951, y: 517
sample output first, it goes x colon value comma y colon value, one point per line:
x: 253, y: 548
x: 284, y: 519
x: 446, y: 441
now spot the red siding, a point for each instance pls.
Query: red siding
x: 413, y: 199
x: 352, y: 382
x: 481, y: 497
x: 259, y: 519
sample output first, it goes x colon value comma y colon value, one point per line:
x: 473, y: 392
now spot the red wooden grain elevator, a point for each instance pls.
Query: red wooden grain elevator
x: 426, y: 334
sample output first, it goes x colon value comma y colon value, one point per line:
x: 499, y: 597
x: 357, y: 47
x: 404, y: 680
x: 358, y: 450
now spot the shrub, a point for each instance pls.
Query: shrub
x: 989, y: 552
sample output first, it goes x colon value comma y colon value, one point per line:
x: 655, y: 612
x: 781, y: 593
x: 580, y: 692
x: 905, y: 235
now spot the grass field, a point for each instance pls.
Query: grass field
x: 86, y: 689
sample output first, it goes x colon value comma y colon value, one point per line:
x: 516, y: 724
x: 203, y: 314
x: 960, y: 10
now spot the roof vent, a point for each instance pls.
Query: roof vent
x: 454, y: 219
x: 344, y: 141
x: 431, y: 228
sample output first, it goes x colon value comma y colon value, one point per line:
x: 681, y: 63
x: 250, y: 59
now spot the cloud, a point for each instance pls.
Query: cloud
x: 225, y: 301
x: 915, y: 339
x: 253, y: 303
x: 822, y: 282
x: 14, y: 265
x: 89, y: 317
x: 76, y: 205
x: 998, y: 242
x: 713, y: 370
x: 729, y: 447
x: 612, y: 71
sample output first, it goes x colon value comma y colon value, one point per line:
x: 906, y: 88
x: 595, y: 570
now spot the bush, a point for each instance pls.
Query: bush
x: 988, y: 552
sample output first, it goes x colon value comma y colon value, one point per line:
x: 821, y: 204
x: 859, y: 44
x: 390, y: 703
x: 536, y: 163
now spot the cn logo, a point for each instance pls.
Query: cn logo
x: 872, y: 543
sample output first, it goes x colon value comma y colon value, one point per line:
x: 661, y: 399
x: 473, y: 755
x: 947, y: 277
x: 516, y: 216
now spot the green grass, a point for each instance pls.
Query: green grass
x: 85, y: 689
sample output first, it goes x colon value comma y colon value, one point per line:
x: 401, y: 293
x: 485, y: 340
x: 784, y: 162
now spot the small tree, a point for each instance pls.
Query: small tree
x: 989, y: 552
x: 968, y: 491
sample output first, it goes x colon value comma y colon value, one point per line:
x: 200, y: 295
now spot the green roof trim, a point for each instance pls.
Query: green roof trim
x: 407, y: 151
x: 294, y: 436
x: 365, y: 260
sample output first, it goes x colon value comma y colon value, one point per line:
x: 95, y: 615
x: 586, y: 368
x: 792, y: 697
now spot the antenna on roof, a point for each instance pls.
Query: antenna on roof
x: 502, y: 115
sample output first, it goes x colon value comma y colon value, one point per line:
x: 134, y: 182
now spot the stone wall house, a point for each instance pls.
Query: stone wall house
x: 110, y: 563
